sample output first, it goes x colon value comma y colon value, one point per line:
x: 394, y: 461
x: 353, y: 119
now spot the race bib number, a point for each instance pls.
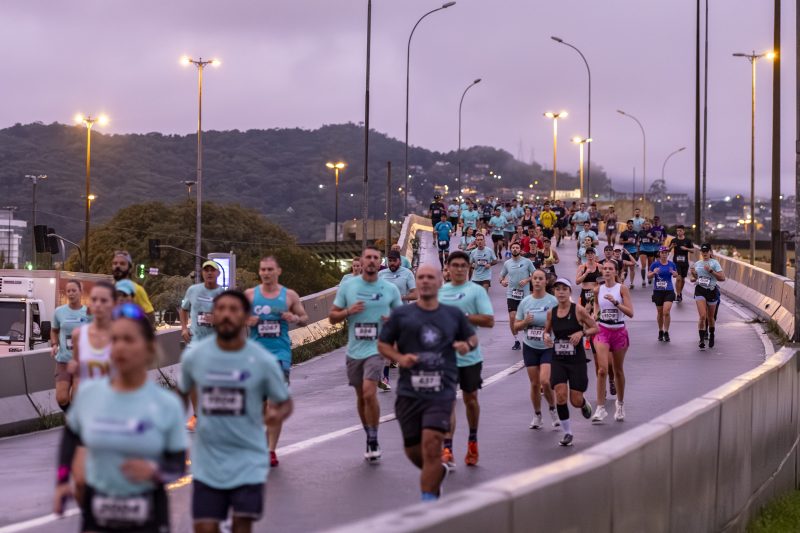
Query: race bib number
x: 662, y: 285
x: 204, y: 320
x: 269, y: 328
x: 612, y: 227
x: 564, y: 348
x: 482, y: 263
x: 517, y: 294
x: 536, y: 334
x: 680, y: 258
x: 588, y: 295
x: 444, y: 243
x: 704, y: 282
x: 222, y: 401
x: 609, y: 315
x: 120, y: 512
x: 423, y: 381
x: 365, y: 331
x: 69, y: 343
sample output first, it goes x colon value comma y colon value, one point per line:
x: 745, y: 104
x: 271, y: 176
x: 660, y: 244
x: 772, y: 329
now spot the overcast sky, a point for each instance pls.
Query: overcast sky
x: 288, y: 63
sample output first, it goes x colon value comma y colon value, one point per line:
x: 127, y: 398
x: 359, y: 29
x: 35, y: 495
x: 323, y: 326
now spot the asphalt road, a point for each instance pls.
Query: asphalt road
x: 323, y: 481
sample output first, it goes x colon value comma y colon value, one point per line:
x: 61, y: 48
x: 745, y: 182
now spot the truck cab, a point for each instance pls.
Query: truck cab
x: 23, y: 324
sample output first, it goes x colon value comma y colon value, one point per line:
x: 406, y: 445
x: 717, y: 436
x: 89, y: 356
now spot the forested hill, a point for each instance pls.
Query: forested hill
x: 277, y: 171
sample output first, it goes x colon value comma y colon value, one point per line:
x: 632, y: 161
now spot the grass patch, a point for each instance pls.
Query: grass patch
x: 336, y: 337
x: 781, y: 515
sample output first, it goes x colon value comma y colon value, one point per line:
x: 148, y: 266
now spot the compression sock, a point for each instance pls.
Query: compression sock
x: 711, y: 330
x: 448, y: 443
x: 372, y: 435
x: 429, y: 497
x: 702, y: 333
x: 563, y: 416
x: 473, y: 435
x: 386, y: 371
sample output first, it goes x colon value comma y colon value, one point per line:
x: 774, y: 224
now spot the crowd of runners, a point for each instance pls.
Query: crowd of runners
x: 125, y: 437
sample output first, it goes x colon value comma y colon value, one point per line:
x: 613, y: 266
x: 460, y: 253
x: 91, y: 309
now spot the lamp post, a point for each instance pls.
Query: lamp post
x: 555, y: 117
x: 408, y: 81
x: 580, y: 142
x: 664, y: 166
x: 200, y: 63
x: 753, y: 58
x: 88, y: 121
x: 336, y: 168
x: 644, y: 155
x: 365, y: 204
x: 589, y: 133
x: 35, y: 179
x: 460, y: 105
x: 189, y: 184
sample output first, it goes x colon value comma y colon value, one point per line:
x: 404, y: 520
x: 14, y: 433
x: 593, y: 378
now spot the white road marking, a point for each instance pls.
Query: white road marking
x: 35, y: 522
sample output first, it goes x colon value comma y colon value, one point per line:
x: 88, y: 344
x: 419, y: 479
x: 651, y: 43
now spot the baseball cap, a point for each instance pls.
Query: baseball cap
x: 393, y: 254
x: 563, y: 281
x: 705, y: 247
x: 125, y: 286
x: 212, y: 264
x: 663, y: 249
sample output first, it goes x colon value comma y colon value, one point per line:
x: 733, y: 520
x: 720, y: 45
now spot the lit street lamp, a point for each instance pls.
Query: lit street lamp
x: 336, y: 168
x: 580, y: 142
x: 589, y: 133
x: 460, y: 105
x: 88, y: 121
x: 35, y: 179
x: 408, y: 80
x: 753, y: 58
x: 555, y: 117
x: 644, y: 156
x: 189, y: 184
x: 200, y: 64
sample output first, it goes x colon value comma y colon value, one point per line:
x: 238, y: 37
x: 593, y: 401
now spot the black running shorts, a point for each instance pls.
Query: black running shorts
x: 415, y: 414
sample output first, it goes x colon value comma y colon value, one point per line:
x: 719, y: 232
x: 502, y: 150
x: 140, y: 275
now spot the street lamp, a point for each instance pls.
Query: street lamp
x: 408, y: 80
x: 753, y: 58
x: 336, y: 168
x: 200, y: 64
x: 580, y: 142
x: 589, y: 133
x: 555, y: 117
x: 460, y: 105
x: 189, y: 184
x: 88, y: 121
x: 664, y: 166
x: 644, y: 155
x: 35, y: 179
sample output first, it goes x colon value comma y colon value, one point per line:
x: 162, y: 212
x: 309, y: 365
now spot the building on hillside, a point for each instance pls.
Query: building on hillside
x: 11, y: 232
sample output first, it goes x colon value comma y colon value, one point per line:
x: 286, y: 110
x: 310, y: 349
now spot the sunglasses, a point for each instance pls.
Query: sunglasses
x: 128, y: 310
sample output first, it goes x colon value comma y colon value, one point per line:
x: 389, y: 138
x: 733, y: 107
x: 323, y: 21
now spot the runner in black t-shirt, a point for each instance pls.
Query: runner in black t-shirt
x: 681, y: 252
x: 425, y: 338
x: 561, y: 225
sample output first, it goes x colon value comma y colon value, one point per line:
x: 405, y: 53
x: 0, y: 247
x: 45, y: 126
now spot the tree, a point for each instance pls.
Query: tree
x: 226, y: 227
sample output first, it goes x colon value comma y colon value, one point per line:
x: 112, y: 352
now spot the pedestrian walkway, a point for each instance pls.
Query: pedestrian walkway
x: 323, y: 481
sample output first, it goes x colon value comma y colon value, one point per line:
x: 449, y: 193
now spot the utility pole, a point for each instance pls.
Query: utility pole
x: 777, y: 259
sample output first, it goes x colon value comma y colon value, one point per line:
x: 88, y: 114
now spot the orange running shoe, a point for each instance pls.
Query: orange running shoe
x: 191, y: 424
x: 448, y: 459
x: 273, y: 459
x: 472, y: 453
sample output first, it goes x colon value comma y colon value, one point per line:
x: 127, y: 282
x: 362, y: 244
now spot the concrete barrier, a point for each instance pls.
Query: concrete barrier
x: 707, y: 465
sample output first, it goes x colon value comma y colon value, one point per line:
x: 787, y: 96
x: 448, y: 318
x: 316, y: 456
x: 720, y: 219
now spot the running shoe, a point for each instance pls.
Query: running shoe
x: 273, y: 459
x: 702, y: 344
x: 679, y: 298
x: 447, y: 458
x: 587, y: 344
x: 517, y: 346
x: 191, y: 424
x: 393, y: 364
x: 710, y: 340
x: 373, y: 453
x: 384, y: 386
x: 566, y: 440
x: 666, y: 336
x: 612, y: 386
x: 471, y: 459
x: 600, y: 414
x: 619, y: 415
x: 632, y: 287
x: 586, y: 410
x: 554, y: 418
x: 644, y: 284
x: 660, y: 335
x: 536, y: 423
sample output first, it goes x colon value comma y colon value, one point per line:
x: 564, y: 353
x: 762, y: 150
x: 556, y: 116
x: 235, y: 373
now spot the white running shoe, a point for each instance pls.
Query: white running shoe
x: 619, y: 415
x: 599, y: 415
x: 554, y: 417
x: 536, y: 423
x: 373, y: 453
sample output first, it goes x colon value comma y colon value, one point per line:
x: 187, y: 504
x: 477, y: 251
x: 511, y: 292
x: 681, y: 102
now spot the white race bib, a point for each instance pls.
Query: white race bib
x: 536, y: 333
x: 444, y: 243
x: 423, y: 381
x: 661, y: 285
x: 680, y: 258
x: 269, y: 328
x: 204, y: 319
x: 222, y: 401
x: 588, y: 295
x: 482, y: 262
x: 611, y: 227
x: 69, y: 343
x: 704, y: 282
x: 365, y: 331
x: 609, y: 315
x: 564, y: 348
x: 517, y: 294
x: 119, y: 511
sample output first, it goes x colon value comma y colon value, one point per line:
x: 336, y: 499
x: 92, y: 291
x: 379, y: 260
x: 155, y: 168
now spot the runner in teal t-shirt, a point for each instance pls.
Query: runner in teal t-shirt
x: 365, y: 304
x: 199, y: 302
x: 516, y: 277
x: 475, y: 303
x: 481, y: 260
x: 65, y: 319
x: 232, y: 376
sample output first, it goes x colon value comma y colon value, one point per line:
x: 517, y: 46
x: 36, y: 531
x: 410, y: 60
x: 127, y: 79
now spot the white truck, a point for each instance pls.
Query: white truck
x: 28, y: 300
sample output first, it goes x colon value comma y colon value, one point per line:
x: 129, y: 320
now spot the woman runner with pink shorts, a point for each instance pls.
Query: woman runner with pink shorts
x: 613, y: 305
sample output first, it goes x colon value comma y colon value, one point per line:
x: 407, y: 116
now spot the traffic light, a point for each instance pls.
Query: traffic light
x: 153, y: 246
x: 140, y: 271
x: 40, y: 238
